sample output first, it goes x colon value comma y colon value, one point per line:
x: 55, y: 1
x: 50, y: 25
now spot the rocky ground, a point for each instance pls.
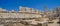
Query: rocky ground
x: 54, y: 24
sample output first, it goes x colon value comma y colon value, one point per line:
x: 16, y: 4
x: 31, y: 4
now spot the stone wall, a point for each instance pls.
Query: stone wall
x: 19, y: 15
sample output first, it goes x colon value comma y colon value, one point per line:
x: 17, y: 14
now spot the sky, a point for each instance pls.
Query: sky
x: 36, y: 4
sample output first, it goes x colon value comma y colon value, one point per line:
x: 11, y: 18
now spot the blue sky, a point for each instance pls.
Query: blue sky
x: 37, y: 4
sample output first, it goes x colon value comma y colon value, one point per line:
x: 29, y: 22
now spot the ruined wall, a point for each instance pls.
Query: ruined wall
x: 19, y: 15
